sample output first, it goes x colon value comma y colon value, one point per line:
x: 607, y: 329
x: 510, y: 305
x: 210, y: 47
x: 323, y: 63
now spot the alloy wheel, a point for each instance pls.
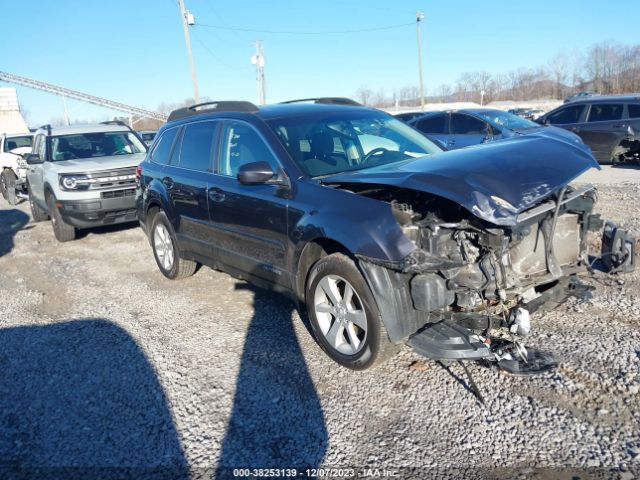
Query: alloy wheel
x: 163, y: 246
x: 340, y: 314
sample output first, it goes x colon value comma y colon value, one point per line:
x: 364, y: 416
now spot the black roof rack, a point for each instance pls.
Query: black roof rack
x: 328, y: 100
x: 209, y: 107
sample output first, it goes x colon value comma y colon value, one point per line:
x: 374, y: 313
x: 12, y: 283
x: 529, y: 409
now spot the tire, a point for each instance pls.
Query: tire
x: 38, y: 214
x: 347, y: 326
x: 165, y: 249
x: 8, y: 186
x: 62, y: 231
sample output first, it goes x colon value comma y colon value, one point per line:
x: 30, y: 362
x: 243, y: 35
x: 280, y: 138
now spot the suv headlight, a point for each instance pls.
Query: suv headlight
x: 74, y: 182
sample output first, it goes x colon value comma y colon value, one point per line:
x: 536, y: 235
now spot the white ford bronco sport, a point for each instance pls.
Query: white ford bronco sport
x: 13, y: 169
x: 83, y: 176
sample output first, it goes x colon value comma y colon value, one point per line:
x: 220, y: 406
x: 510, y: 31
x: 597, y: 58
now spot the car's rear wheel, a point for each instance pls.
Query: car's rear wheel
x: 62, y: 230
x: 8, y: 186
x: 38, y: 214
x: 165, y: 249
x: 344, y: 315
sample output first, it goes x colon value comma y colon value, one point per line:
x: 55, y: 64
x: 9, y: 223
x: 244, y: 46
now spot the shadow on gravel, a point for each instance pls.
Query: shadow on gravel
x: 80, y: 400
x: 11, y: 222
x: 106, y: 229
x: 277, y: 419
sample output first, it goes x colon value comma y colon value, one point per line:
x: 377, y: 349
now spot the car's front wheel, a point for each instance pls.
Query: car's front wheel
x: 344, y: 315
x: 8, y: 186
x: 61, y: 229
x: 38, y: 214
x: 165, y: 249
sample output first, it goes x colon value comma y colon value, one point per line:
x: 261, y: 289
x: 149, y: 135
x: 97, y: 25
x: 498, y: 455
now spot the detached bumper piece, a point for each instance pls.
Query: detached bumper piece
x: 447, y: 341
x: 517, y: 360
x: 618, y: 250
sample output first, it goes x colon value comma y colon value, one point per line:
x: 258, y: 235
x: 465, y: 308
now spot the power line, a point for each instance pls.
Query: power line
x: 326, y: 32
x: 213, y: 55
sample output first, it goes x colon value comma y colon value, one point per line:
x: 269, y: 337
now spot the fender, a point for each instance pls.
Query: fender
x: 156, y: 193
x: 367, y: 227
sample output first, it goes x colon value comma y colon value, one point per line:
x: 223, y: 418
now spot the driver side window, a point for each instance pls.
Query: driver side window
x: 241, y: 145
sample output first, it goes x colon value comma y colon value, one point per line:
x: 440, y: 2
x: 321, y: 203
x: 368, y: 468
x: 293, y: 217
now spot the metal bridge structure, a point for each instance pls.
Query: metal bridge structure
x: 83, y: 97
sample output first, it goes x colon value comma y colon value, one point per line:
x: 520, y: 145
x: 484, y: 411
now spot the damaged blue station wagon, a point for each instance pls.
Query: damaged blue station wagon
x: 385, y: 238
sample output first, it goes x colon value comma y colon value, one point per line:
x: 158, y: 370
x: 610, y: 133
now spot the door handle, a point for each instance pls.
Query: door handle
x: 619, y: 125
x: 216, y: 195
x: 168, y: 182
x: 575, y: 129
x: 451, y: 142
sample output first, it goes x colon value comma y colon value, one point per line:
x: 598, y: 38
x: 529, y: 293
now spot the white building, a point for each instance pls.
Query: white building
x: 11, y: 120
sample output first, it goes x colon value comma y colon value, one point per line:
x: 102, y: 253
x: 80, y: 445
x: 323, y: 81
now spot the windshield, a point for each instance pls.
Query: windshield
x: 506, y: 120
x: 349, y: 141
x: 148, y: 137
x: 17, y: 142
x: 94, y: 144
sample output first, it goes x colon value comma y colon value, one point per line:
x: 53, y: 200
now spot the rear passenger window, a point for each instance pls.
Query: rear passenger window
x: 241, y: 145
x: 601, y: 112
x: 197, y: 146
x: 160, y: 153
x: 634, y: 110
x: 566, y: 115
x: 434, y: 124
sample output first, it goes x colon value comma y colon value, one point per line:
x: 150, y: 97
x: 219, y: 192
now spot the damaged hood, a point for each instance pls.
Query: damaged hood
x: 495, y: 181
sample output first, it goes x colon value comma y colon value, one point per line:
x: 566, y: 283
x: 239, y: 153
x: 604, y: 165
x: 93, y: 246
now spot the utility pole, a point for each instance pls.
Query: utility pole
x: 258, y: 61
x: 187, y: 19
x: 419, y: 17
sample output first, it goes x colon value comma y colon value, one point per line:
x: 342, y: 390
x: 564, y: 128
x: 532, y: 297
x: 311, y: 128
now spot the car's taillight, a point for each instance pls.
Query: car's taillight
x: 138, y: 173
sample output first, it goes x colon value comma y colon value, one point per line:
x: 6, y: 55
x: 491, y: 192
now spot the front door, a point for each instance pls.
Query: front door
x: 249, y: 221
x: 604, y: 129
x: 467, y: 130
x: 35, y: 173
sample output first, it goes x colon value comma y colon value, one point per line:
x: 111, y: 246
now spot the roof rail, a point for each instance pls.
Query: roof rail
x: 328, y: 100
x: 212, y: 107
x: 117, y: 122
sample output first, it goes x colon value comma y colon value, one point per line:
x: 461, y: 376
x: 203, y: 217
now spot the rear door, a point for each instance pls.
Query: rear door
x: 467, y: 130
x: 604, y: 129
x: 185, y: 180
x: 249, y: 221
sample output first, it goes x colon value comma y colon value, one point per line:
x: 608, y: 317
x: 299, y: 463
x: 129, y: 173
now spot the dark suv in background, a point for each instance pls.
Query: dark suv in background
x: 382, y: 236
x: 609, y: 125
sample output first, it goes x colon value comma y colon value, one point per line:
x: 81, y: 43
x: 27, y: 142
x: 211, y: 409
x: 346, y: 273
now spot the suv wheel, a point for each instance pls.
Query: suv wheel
x: 62, y: 231
x: 8, y: 186
x: 38, y: 214
x: 165, y: 250
x: 344, y: 315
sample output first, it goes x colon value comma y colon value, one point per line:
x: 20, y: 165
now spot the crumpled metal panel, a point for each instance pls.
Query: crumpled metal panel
x: 495, y: 181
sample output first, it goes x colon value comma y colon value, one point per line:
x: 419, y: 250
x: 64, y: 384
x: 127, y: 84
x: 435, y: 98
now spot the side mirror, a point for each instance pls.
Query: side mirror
x: 255, y: 173
x: 440, y: 143
x: 33, y: 159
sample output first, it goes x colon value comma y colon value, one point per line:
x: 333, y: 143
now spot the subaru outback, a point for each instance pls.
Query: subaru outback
x: 385, y: 238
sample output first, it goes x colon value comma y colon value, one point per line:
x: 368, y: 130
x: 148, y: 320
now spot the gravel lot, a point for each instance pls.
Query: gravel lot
x: 104, y: 363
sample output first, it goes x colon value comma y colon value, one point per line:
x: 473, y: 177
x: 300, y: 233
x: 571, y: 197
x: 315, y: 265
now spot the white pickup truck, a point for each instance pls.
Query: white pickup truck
x: 13, y: 168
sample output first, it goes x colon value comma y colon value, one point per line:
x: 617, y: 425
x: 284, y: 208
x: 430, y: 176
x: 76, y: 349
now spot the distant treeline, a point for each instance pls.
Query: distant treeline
x: 605, y: 68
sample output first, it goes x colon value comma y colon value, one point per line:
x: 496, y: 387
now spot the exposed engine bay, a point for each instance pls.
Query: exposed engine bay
x: 469, y: 280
